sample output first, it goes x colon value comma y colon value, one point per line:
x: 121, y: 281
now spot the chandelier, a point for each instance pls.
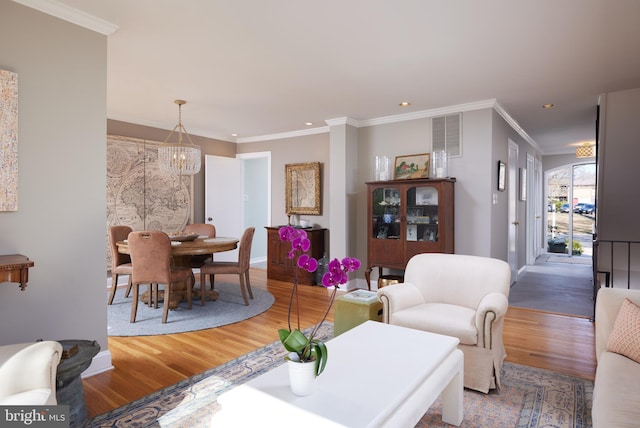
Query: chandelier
x: 585, y: 151
x: 179, y: 158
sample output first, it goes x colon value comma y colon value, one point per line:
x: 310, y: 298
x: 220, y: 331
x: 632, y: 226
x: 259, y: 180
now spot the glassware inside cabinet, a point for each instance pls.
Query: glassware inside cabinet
x: 386, y: 213
x: 422, y: 214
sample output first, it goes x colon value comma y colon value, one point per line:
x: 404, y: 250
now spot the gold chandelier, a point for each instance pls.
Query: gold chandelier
x: 179, y: 158
x: 587, y: 150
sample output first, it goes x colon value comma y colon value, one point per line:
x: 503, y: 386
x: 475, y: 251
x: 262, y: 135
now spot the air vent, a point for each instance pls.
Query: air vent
x: 447, y: 134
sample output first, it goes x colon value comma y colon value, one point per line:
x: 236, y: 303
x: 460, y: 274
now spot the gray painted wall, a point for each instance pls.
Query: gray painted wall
x: 309, y: 148
x: 61, y: 217
x: 619, y: 174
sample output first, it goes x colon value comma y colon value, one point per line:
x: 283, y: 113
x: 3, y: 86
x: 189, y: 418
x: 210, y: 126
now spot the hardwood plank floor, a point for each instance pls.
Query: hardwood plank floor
x: 146, y: 364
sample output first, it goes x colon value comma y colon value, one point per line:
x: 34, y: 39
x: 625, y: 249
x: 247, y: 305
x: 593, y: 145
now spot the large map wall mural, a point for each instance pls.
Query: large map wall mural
x: 8, y: 141
x: 139, y: 195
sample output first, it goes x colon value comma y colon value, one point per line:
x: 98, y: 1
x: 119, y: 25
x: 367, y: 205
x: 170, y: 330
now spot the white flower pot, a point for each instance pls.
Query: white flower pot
x: 302, y: 377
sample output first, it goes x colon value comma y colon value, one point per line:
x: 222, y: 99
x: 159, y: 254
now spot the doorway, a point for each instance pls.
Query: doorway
x: 571, y: 210
x: 243, y: 200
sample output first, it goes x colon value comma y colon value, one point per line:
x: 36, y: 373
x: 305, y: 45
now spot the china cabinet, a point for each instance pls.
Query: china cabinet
x: 408, y: 217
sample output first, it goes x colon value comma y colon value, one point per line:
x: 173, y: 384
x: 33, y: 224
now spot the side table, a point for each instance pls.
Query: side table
x: 354, y: 308
x: 69, y: 389
x: 15, y: 268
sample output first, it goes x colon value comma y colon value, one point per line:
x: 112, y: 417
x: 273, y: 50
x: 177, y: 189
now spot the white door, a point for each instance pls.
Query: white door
x: 512, y: 188
x: 224, y: 199
x: 538, y: 195
x: 531, y: 207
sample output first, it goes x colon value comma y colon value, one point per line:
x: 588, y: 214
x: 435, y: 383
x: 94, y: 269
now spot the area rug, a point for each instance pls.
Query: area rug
x: 228, y: 309
x: 529, y: 398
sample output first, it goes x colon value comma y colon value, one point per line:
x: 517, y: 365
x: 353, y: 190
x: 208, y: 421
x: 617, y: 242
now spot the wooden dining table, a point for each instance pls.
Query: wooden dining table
x: 181, y: 252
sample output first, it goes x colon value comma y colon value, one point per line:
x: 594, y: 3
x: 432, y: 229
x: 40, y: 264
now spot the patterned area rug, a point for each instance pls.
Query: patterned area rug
x: 228, y: 309
x: 529, y: 398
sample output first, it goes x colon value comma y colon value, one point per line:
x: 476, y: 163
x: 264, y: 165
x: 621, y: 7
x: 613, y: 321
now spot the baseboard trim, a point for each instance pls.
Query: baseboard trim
x: 100, y: 364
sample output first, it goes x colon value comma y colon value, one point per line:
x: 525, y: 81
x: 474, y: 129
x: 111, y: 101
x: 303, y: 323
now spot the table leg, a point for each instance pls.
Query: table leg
x: 178, y: 292
x: 452, y: 395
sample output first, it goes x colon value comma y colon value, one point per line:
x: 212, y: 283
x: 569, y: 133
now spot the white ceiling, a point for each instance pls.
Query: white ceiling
x: 257, y: 68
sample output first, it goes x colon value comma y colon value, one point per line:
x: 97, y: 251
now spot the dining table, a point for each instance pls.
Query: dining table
x: 181, y: 251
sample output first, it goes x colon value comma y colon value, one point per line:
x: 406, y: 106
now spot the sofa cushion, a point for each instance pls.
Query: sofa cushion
x: 625, y: 336
x: 615, y: 392
x: 441, y: 318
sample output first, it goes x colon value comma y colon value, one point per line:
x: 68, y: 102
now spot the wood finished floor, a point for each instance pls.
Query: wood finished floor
x: 146, y: 364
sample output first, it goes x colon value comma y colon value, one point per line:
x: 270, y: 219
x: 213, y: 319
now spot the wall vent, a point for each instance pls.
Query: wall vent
x: 447, y: 134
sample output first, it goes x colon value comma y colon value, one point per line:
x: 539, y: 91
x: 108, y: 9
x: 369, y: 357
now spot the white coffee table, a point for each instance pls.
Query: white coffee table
x: 378, y: 375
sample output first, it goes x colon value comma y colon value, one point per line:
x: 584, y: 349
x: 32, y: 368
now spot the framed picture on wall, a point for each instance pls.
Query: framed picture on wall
x: 502, y: 175
x: 302, y: 188
x: 412, y: 166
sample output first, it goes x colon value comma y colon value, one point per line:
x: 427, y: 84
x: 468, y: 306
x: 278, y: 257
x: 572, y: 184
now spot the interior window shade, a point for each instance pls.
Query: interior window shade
x: 446, y: 134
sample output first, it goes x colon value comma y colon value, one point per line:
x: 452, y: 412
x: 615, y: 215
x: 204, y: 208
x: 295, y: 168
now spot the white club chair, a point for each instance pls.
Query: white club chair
x: 28, y: 373
x: 456, y: 295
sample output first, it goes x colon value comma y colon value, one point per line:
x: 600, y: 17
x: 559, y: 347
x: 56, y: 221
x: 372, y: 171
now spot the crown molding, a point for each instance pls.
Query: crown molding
x: 67, y: 13
x: 516, y: 126
x: 343, y: 121
x: 441, y: 111
x: 282, y: 135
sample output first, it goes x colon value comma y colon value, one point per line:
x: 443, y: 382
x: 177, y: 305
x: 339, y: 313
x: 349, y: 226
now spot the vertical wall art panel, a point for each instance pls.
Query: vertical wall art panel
x: 8, y: 141
x: 139, y: 195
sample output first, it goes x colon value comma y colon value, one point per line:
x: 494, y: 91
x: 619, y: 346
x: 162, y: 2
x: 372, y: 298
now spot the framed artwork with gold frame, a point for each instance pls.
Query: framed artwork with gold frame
x: 302, y: 188
x: 412, y: 166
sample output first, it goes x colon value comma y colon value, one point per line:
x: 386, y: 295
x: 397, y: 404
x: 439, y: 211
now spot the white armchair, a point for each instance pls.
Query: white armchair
x: 28, y: 373
x: 456, y: 295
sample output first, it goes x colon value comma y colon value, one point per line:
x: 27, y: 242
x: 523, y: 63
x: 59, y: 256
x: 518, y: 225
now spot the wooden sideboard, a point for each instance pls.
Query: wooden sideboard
x: 15, y: 268
x: 280, y: 267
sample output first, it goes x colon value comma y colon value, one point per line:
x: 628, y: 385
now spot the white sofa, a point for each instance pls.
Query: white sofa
x: 456, y: 295
x: 616, y: 392
x: 28, y: 373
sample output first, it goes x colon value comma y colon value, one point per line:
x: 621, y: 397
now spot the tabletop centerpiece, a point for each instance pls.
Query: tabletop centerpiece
x: 308, y: 355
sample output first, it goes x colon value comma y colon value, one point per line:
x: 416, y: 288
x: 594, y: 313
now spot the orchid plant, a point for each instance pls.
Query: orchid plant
x: 301, y: 347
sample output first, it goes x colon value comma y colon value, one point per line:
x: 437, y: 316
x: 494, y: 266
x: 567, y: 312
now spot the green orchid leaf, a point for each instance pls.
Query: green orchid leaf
x: 293, y: 341
x: 321, y: 355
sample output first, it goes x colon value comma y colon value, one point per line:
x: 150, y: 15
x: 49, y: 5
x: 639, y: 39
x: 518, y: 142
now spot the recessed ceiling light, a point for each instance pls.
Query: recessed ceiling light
x: 547, y: 106
x: 405, y: 104
x: 234, y: 135
x: 309, y: 123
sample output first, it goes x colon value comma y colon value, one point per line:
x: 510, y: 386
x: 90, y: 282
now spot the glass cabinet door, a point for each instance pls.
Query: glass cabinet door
x: 422, y: 214
x: 386, y: 213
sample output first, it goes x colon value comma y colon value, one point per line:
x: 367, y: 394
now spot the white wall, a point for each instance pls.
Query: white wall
x: 60, y: 222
